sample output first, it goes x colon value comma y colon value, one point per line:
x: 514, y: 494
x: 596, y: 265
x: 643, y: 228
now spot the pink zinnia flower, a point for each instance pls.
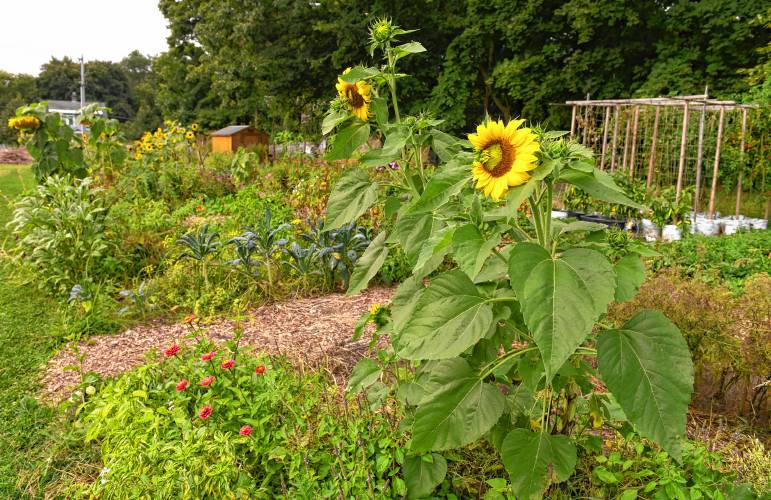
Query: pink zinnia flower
x: 205, y: 412
x: 227, y: 365
x: 260, y: 369
x: 208, y: 356
x: 182, y: 385
x: 246, y: 430
x: 207, y: 381
x: 171, y: 351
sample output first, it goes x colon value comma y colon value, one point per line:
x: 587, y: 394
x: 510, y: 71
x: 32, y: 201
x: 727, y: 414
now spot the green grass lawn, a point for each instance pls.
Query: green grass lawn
x: 29, y: 327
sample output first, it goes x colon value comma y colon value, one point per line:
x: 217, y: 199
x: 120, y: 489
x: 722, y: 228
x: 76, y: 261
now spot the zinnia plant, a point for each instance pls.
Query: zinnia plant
x: 505, y: 341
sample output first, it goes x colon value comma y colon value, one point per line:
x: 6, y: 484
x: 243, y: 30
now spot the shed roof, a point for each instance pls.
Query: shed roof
x: 231, y: 130
x: 66, y: 105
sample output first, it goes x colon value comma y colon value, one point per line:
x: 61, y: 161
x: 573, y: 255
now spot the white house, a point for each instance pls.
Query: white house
x: 69, y: 110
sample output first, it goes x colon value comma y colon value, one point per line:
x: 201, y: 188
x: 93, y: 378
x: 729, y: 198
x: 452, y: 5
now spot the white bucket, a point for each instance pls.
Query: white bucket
x: 671, y: 233
x: 558, y: 214
x: 707, y: 227
x: 650, y: 231
x: 732, y: 224
x: 758, y: 224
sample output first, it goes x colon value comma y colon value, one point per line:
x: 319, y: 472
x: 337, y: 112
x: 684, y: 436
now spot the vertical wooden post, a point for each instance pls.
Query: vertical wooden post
x: 605, y: 127
x: 713, y: 192
x: 652, y: 159
x: 741, y: 163
x: 586, y: 121
x: 634, y: 140
x: 626, y: 143
x: 681, y: 167
x: 614, y: 142
x: 699, y: 156
x: 573, y: 122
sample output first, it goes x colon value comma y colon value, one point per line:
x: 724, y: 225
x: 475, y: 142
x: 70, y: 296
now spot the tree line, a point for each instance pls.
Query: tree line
x: 274, y: 63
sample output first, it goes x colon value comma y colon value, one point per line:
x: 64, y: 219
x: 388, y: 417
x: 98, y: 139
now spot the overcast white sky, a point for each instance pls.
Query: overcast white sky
x: 32, y: 31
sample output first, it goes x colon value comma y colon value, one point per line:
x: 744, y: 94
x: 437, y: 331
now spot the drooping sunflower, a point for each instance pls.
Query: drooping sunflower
x: 24, y: 122
x: 504, y: 156
x: 357, y: 95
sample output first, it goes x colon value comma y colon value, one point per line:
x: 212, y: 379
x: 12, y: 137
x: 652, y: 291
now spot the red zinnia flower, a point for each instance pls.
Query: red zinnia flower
x: 182, y: 385
x: 227, y: 365
x: 207, y: 381
x: 205, y: 412
x: 208, y: 356
x: 171, y: 351
x: 260, y: 369
x: 246, y: 430
x: 190, y: 319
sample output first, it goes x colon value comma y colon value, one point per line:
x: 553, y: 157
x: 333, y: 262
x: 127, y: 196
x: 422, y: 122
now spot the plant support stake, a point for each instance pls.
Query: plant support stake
x: 683, y: 138
x: 741, y: 163
x: 713, y: 192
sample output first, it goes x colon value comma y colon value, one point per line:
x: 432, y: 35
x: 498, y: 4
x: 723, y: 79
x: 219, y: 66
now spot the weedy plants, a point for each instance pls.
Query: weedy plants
x: 136, y: 302
x: 502, y: 342
x: 200, y: 246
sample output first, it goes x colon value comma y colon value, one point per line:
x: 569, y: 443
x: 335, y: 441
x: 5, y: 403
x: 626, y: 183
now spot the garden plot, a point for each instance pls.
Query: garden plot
x: 310, y: 331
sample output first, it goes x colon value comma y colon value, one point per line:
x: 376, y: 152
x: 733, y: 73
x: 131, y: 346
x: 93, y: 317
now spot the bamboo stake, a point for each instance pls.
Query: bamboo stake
x: 699, y: 156
x: 634, y: 140
x: 681, y: 168
x: 614, y: 143
x: 573, y: 122
x: 741, y: 163
x: 626, y: 143
x: 586, y: 121
x: 713, y: 192
x: 652, y: 160
x: 605, y: 126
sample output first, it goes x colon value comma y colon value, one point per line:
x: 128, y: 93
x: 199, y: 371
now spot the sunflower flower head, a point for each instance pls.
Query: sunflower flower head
x: 381, y: 30
x: 25, y: 122
x: 504, y: 154
x: 356, y: 96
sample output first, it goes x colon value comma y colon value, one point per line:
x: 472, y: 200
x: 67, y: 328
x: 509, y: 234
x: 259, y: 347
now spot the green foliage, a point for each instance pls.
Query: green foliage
x: 61, y: 230
x: 300, y: 443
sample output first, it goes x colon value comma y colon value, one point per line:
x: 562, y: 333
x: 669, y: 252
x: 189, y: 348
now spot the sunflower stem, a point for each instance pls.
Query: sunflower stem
x: 537, y: 218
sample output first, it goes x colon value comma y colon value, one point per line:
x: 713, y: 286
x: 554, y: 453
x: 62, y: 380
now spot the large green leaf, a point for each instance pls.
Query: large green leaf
x: 459, y: 411
x: 597, y: 274
x: 522, y: 260
x: 495, y: 268
x: 433, y: 251
x: 445, y: 145
x: 353, y: 194
x: 359, y: 73
x: 630, y: 275
x: 558, y: 309
x: 471, y: 250
x: 446, y: 182
x: 647, y: 367
x: 364, y: 374
x: 391, y: 150
x: 404, y: 302
x: 450, y: 317
x: 412, y: 231
x: 514, y: 199
x: 348, y: 140
x: 424, y: 473
x: 368, y: 264
x: 535, y: 460
x: 332, y: 120
x: 596, y: 187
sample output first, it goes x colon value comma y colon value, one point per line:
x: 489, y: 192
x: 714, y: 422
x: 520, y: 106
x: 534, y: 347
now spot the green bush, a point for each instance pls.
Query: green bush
x: 727, y: 260
x: 61, y: 231
x: 271, y: 432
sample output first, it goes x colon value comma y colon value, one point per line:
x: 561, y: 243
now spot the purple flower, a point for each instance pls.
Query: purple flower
x: 394, y: 165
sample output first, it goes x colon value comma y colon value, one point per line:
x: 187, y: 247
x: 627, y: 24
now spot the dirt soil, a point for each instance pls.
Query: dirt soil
x: 313, y: 331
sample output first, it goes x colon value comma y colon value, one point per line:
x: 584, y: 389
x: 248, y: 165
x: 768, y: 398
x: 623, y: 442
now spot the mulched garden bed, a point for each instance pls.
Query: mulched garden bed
x: 311, y: 331
x: 14, y: 157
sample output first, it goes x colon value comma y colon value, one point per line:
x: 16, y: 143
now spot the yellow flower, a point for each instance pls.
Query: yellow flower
x: 194, y: 127
x: 504, y: 155
x: 24, y: 122
x: 138, y: 155
x: 358, y: 95
x: 190, y: 136
x: 374, y: 309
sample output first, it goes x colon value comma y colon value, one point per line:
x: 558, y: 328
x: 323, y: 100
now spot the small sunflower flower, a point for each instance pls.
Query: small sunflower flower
x: 356, y: 95
x: 194, y: 127
x: 189, y: 135
x: 504, y: 156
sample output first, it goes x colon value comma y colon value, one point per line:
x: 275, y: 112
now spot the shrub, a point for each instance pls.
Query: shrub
x: 259, y: 430
x: 61, y: 231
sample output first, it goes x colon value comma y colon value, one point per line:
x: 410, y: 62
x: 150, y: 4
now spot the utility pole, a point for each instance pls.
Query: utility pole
x: 82, y: 91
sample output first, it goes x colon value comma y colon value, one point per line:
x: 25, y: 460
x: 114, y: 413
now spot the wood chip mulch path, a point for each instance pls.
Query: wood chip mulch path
x: 14, y: 157
x: 314, y: 331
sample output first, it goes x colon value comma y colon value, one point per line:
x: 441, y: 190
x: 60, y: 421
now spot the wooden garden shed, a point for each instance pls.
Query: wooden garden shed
x: 233, y: 137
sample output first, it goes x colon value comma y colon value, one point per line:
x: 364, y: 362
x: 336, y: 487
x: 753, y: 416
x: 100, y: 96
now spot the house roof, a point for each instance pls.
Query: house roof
x: 231, y: 130
x: 66, y: 105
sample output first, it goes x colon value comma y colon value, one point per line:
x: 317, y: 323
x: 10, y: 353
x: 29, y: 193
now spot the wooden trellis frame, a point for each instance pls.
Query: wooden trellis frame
x: 629, y: 110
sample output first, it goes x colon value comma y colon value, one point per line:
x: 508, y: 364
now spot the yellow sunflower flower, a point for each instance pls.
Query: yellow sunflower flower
x: 504, y: 155
x: 190, y: 136
x: 24, y: 122
x: 194, y: 127
x: 358, y: 95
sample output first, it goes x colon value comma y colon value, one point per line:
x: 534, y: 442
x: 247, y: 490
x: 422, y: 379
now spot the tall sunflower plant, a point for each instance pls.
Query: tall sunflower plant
x: 501, y: 333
